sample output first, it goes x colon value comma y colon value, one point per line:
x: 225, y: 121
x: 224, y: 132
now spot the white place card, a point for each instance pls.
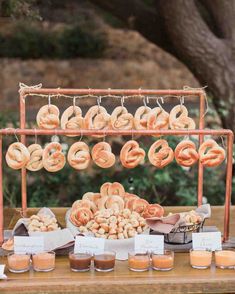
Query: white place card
x: 149, y: 243
x: 30, y: 245
x: 207, y: 240
x: 55, y: 239
x: 2, y: 275
x: 89, y: 244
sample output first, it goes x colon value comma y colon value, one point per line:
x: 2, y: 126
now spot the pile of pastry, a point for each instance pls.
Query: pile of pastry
x: 42, y: 223
x: 113, y: 213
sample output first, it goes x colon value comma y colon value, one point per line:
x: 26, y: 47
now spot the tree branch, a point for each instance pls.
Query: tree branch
x: 223, y: 14
x: 140, y: 17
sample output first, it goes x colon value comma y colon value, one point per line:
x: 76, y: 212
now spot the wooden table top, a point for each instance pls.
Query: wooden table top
x: 182, y: 279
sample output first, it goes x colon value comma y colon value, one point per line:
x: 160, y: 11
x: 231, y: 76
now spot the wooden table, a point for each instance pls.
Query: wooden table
x: 183, y: 279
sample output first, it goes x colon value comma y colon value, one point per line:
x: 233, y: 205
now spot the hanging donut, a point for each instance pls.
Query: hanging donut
x: 17, y: 155
x: 160, y: 154
x: 79, y: 156
x: 35, y: 162
x: 72, y: 119
x: 121, y: 119
x: 186, y: 153
x: 53, y: 157
x: 102, y: 155
x: 131, y: 154
x: 141, y: 117
x: 211, y: 154
x: 97, y: 118
x: 48, y: 117
x: 179, y: 119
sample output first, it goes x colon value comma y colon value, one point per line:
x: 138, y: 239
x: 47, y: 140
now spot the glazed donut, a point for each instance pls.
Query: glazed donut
x: 182, y: 121
x: 35, y: 162
x: 17, y: 155
x: 141, y: 117
x: 102, y: 155
x: 97, y: 118
x: 186, y: 153
x: 131, y: 154
x: 81, y: 216
x: 163, y: 156
x: 153, y: 210
x: 72, y: 119
x: 158, y: 119
x: 53, y: 159
x: 115, y: 202
x: 48, y: 117
x: 138, y: 205
x: 211, y: 154
x: 121, y: 119
x: 79, y: 156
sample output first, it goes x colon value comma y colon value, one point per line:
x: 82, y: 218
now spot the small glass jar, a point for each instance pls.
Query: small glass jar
x: 225, y: 259
x: 138, y: 262
x: 44, y: 261
x: 80, y: 262
x: 163, y: 262
x: 200, y: 259
x: 18, y: 263
x: 104, y: 262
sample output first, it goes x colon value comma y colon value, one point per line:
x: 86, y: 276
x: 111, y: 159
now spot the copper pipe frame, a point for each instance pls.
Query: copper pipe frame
x: 31, y: 132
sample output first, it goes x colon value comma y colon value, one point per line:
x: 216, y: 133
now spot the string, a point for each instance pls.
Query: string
x: 16, y: 135
x: 81, y: 136
x: 223, y: 144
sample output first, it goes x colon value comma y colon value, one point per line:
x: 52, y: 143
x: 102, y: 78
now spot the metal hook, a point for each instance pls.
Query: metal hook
x: 16, y: 135
x: 109, y: 94
x: 49, y: 101
x: 122, y: 101
x: 74, y: 104
x: 81, y: 136
x: 145, y: 102
x: 98, y: 102
x: 162, y: 100
x: 181, y: 101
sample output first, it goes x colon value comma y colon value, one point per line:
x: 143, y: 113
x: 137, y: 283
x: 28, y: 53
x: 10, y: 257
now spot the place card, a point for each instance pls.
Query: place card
x: 2, y: 275
x: 89, y: 244
x: 207, y: 240
x: 55, y: 239
x: 149, y: 243
x: 28, y: 245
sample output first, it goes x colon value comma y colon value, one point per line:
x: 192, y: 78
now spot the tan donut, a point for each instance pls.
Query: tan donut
x: 81, y: 216
x: 79, y: 156
x: 53, y: 158
x: 182, y: 121
x: 211, y: 154
x: 102, y: 155
x: 35, y: 162
x: 97, y: 118
x: 48, y: 117
x: 153, y: 210
x: 163, y: 156
x: 158, y: 119
x: 131, y: 154
x: 17, y: 155
x: 72, y: 119
x: 186, y: 153
x: 121, y: 119
x: 141, y: 117
x: 115, y: 202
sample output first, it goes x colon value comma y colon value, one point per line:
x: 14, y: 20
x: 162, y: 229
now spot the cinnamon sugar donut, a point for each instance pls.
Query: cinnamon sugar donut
x: 211, y: 154
x: 79, y: 156
x: 35, y: 162
x: 53, y: 158
x: 121, y: 119
x: 181, y: 121
x: 153, y: 210
x: 48, y: 117
x: 72, y: 119
x: 97, y: 118
x: 186, y: 153
x: 102, y: 155
x: 17, y: 155
x: 131, y: 154
x: 141, y: 117
x: 158, y: 119
x: 163, y: 156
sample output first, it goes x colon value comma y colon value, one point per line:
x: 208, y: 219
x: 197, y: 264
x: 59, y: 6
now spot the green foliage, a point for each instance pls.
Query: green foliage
x: 19, y: 9
x: 29, y: 41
